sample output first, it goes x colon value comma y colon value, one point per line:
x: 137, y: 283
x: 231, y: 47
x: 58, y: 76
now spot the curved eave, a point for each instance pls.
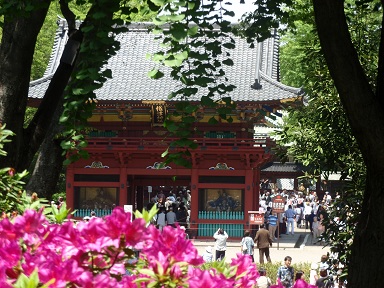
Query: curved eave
x: 293, y: 90
x: 37, y: 88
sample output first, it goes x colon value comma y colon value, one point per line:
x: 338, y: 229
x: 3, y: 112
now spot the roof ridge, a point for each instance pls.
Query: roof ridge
x: 41, y: 80
x: 58, y: 46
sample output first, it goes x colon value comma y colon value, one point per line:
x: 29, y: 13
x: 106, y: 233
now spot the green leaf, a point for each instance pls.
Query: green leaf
x: 193, y: 30
x: 204, y: 81
x: 176, y: 17
x: 178, y: 32
x: 229, y: 45
x: 207, y: 101
x: 165, y: 153
x: 155, y: 5
x: 182, y: 162
x: 228, y: 62
x: 171, y: 61
x: 170, y: 125
x: 212, y: 120
x: 158, y: 57
x: 87, y: 28
x: 183, y: 142
x: 155, y: 74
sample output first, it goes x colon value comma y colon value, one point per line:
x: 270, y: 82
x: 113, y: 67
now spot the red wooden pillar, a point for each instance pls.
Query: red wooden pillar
x: 69, y: 191
x: 123, y: 195
x: 195, y: 201
x: 256, y: 186
x: 249, y: 195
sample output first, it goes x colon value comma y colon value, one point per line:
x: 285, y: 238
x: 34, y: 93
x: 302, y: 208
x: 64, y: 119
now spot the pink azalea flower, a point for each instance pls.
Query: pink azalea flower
x: 91, y: 254
x: 300, y: 283
x: 8, y: 231
x: 31, y: 222
x: 172, y: 242
x: 176, y: 272
x: 129, y: 281
x: 117, y: 222
x: 207, y: 279
x: 246, y: 273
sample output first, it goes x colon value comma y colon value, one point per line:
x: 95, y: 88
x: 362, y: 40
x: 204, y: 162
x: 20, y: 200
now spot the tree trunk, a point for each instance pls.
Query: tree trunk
x: 16, y: 53
x: 366, y: 116
x: 14, y: 84
x: 49, y: 162
x: 47, y: 170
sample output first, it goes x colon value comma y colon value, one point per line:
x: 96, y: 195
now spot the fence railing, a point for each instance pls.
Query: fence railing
x: 224, y: 215
x: 204, y: 143
x: 233, y: 230
x: 203, y: 229
x: 80, y: 213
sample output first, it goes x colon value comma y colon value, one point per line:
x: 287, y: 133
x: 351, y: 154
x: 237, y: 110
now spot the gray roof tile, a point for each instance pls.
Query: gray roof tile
x: 288, y: 167
x: 130, y: 67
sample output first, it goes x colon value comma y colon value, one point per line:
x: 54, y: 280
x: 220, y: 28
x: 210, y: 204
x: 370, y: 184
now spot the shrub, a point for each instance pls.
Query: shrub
x: 103, y: 253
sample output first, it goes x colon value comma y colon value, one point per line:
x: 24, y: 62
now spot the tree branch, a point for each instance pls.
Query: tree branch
x: 69, y: 16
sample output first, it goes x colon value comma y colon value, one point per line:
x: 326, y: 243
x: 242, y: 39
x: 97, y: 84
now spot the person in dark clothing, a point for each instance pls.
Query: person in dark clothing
x: 324, y: 281
x: 310, y: 218
x: 181, y: 216
x: 266, y: 218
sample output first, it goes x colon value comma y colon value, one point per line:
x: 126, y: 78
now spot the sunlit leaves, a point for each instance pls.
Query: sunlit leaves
x: 319, y: 135
x: 196, y: 45
x: 155, y: 74
x: 89, y: 75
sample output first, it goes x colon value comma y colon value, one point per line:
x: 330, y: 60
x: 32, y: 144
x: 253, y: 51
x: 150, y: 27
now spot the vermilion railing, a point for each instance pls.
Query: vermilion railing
x: 156, y: 142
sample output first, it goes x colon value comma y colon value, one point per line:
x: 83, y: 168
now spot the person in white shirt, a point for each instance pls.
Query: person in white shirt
x: 328, y: 198
x: 263, y: 281
x: 313, y: 274
x: 207, y: 256
x: 221, y: 243
x: 307, y: 213
x: 299, y: 216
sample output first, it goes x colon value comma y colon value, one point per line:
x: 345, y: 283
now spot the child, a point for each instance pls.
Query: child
x: 300, y: 281
x: 313, y: 274
x: 207, y: 256
x: 263, y: 281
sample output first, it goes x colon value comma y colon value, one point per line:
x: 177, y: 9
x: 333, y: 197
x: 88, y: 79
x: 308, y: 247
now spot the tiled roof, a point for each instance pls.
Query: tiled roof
x: 130, y: 67
x: 286, y: 167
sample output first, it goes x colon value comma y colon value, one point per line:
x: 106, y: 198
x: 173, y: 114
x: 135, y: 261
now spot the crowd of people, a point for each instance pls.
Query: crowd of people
x: 321, y: 275
x: 304, y: 210
x: 172, y: 209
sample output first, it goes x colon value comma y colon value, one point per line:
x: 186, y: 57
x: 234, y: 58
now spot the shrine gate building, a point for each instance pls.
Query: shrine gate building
x: 127, y: 137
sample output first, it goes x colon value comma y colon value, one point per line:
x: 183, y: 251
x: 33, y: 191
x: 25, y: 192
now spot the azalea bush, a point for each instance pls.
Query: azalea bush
x: 13, y: 198
x: 108, y: 252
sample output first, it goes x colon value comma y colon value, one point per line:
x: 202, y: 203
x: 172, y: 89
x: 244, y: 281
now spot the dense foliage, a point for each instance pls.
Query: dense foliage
x: 11, y: 184
x: 319, y: 134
